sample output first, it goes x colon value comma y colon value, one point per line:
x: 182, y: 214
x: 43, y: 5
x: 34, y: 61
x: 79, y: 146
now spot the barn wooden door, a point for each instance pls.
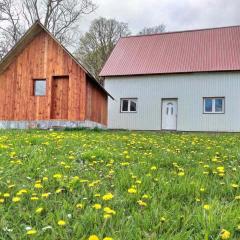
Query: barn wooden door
x: 59, y: 108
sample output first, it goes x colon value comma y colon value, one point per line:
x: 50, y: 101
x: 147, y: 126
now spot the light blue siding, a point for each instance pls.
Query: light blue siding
x: 189, y: 89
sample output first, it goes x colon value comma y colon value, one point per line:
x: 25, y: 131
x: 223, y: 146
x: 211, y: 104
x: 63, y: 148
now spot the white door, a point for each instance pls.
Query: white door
x: 169, y: 114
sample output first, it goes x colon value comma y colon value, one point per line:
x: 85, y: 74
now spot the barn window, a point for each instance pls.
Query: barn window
x: 128, y: 105
x: 214, y: 105
x: 39, y: 87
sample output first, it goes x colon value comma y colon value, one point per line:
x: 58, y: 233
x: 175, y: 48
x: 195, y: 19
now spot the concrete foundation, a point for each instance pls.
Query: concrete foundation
x: 43, y: 124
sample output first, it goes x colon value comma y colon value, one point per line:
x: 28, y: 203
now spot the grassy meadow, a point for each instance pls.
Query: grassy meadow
x: 96, y: 185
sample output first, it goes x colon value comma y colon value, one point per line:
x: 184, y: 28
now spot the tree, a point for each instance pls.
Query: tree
x: 153, y: 30
x: 60, y: 17
x: 97, y: 44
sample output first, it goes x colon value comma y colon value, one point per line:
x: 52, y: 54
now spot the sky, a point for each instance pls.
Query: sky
x: 177, y: 15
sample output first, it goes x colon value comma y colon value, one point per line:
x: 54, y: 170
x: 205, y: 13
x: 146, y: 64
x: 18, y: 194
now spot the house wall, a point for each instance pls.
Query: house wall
x: 188, y: 88
x: 96, y: 104
x: 43, y: 58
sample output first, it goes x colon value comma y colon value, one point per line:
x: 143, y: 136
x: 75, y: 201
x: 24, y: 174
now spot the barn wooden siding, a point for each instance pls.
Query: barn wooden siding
x: 96, y: 103
x: 44, y: 58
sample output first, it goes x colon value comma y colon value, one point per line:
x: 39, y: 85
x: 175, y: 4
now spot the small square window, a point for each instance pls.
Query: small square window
x: 128, y: 105
x: 214, y: 105
x: 39, y: 87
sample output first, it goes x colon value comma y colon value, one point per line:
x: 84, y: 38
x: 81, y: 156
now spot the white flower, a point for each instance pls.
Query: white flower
x: 6, y: 229
x: 46, y: 228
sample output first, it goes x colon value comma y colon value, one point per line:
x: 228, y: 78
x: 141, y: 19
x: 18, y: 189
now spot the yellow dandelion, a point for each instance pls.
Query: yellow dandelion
x: 163, y: 219
x: 45, y: 195
x: 16, y: 199
x: 142, y: 203
x: 39, y: 210
x: 79, y: 205
x: 132, y: 190
x: 107, y: 216
x: 181, y: 174
x: 225, y: 234
x: 145, y: 196
x: 6, y: 195
x: 59, y: 190
x: 220, y: 169
x: 34, y: 198
x: 38, y: 185
x: 107, y: 197
x: 153, y: 168
x: 125, y: 163
x: 22, y: 191
x: 31, y: 232
x: 108, y: 238
x: 61, y: 223
x: 221, y: 174
x: 97, y: 206
x: 108, y: 210
x: 206, y: 207
x: 93, y: 237
x: 57, y: 176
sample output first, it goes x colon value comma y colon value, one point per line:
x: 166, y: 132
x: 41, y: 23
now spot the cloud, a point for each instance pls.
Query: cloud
x: 175, y: 14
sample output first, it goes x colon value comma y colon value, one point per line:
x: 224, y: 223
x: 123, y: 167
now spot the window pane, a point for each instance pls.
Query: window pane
x: 218, y: 105
x: 40, y: 87
x: 208, y: 105
x: 133, y: 106
x: 124, y: 105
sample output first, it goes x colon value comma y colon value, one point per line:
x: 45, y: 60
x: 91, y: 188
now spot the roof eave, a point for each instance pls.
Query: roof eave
x: 164, y: 73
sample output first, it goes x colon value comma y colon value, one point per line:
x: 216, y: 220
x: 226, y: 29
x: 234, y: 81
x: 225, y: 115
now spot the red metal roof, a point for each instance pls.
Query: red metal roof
x: 177, y: 52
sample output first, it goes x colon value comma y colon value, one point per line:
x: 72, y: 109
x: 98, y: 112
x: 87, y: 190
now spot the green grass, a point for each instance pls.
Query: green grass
x: 174, y: 176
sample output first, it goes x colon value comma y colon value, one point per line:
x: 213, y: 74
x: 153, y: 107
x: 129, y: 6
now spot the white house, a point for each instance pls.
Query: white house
x: 184, y: 81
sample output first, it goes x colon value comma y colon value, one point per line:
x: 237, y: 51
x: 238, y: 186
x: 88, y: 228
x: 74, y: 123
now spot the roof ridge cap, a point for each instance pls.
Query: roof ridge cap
x: 181, y: 31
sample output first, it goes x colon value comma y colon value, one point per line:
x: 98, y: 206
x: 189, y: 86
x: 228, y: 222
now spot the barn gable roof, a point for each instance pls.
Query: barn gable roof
x: 32, y: 32
x: 205, y: 50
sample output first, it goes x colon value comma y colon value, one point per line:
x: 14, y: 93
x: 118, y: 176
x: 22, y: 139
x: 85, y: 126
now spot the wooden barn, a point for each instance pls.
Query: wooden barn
x: 42, y: 86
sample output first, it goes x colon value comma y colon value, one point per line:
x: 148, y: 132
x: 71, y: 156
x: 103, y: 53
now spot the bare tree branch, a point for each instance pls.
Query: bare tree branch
x: 61, y: 17
x: 153, y: 30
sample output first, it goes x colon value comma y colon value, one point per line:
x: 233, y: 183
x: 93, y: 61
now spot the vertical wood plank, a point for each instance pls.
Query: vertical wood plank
x: 43, y: 58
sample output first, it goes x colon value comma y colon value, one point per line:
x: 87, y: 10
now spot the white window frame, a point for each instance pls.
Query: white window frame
x: 214, y: 105
x: 129, y: 103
